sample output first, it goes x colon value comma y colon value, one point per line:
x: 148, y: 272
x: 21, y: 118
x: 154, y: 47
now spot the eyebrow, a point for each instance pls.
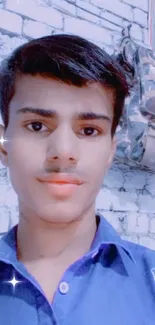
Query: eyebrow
x: 93, y: 116
x: 39, y: 111
x: 52, y: 114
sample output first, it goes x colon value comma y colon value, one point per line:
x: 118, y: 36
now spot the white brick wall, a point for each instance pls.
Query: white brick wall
x: 142, y: 4
x: 15, y: 21
x: 88, y: 30
x: 35, y: 29
x: 140, y: 17
x: 127, y: 199
x: 35, y: 11
x: 117, y: 7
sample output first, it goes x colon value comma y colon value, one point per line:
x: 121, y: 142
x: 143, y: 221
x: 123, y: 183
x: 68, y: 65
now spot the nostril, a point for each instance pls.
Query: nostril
x: 72, y: 160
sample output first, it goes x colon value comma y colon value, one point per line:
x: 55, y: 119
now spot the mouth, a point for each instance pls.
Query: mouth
x: 62, y: 185
x: 62, y: 179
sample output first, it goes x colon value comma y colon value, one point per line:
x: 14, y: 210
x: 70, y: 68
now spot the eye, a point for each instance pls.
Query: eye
x: 36, y: 126
x: 89, y: 131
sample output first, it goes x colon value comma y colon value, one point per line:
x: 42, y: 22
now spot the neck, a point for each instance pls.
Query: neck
x: 47, y: 240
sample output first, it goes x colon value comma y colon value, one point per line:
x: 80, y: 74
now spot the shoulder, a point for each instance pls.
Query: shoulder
x: 140, y: 253
x: 144, y: 261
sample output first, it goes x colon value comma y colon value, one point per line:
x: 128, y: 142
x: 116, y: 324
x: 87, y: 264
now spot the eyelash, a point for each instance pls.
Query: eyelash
x: 99, y: 130
x: 35, y: 122
x: 27, y: 126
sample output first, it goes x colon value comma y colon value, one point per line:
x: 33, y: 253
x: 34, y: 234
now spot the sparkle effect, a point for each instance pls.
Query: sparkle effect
x: 2, y: 140
x: 13, y: 282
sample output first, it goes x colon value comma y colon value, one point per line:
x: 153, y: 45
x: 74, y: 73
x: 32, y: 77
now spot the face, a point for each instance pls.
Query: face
x: 58, y: 146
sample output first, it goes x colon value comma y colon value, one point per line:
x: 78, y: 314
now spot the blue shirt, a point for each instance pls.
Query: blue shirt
x: 114, y: 283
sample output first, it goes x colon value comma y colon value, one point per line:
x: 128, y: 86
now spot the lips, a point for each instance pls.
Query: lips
x: 61, y: 186
x: 61, y: 179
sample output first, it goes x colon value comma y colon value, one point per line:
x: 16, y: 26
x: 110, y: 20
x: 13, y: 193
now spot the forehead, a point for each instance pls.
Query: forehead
x: 47, y: 93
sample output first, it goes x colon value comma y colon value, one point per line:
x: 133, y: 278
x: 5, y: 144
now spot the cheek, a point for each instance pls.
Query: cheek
x: 98, y: 153
x: 24, y: 157
x: 97, y: 161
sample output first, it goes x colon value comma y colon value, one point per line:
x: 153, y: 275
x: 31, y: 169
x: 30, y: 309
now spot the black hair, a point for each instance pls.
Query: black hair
x: 67, y: 58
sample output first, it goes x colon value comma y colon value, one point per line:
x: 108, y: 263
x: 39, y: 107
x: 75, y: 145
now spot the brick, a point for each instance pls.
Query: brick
x: 64, y: 7
x: 87, y: 30
x: 8, y: 44
x: 112, y: 18
x: 1, y: 165
x: 10, y: 22
x: 112, y: 199
x: 146, y: 203
x: 34, y: 29
x: 137, y: 32
x: 146, y: 36
x: 34, y: 11
x: 114, y: 178
x: 3, y: 175
x: 148, y: 242
x: 140, y: 17
x: 44, y: 3
x: 134, y: 180
x: 114, y: 219
x: 88, y: 6
x: 125, y: 23
x: 17, y: 41
x: 118, y: 8
x: 116, y: 40
x: 123, y: 201
x: 137, y: 223
x: 131, y: 223
x: 131, y: 238
x: 14, y: 215
x: 4, y: 179
x: 110, y: 26
x: 103, y: 200
x: 152, y: 225
x: 5, y: 46
x: 142, y: 223
x: 87, y: 16
x: 3, y: 193
x: 142, y: 4
x: 99, y: 44
x: 56, y: 31
x: 150, y: 183
x: 11, y: 198
x: 4, y: 219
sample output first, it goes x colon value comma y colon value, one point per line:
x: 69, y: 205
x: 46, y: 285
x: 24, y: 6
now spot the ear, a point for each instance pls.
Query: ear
x: 3, y: 152
x: 113, y: 150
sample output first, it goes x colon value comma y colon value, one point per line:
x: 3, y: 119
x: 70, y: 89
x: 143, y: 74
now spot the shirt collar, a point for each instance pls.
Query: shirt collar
x: 105, y: 235
x: 8, y: 250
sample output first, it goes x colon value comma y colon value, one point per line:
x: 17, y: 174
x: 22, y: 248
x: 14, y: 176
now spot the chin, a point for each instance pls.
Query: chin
x: 60, y: 213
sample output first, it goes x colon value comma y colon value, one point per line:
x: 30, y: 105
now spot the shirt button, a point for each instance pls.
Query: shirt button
x: 63, y: 287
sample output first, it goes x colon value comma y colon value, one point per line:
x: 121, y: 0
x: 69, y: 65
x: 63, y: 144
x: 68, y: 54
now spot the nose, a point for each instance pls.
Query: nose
x: 63, y: 147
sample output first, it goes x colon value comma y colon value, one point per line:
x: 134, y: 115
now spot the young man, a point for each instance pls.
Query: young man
x: 61, y: 100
